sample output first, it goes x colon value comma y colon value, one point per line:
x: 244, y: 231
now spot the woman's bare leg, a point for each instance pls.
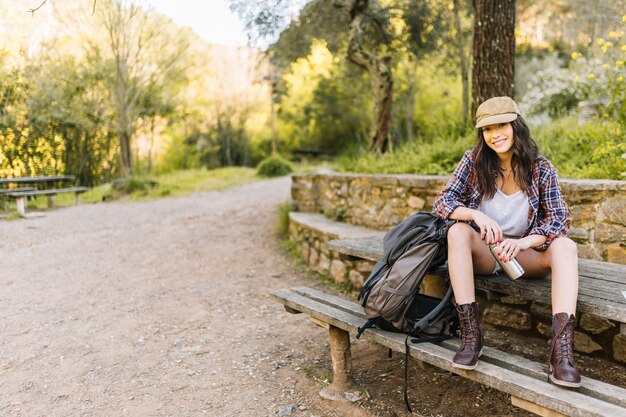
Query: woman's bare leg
x: 467, y: 254
x: 561, y: 258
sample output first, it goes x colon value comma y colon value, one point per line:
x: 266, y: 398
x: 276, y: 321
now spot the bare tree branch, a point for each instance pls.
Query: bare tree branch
x: 32, y: 11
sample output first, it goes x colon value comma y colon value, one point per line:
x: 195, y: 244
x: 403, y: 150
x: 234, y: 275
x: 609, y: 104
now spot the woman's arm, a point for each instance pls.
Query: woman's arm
x: 455, y: 192
x: 490, y: 231
x: 553, y: 218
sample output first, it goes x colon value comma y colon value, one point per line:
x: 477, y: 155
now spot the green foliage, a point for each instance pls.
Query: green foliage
x: 593, y: 150
x: 437, y: 157
x: 274, y: 166
x: 134, y: 185
x: 323, y: 103
x: 282, y: 220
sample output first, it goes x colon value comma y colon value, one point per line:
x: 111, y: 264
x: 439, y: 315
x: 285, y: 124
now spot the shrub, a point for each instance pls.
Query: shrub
x: 274, y: 166
x: 133, y: 184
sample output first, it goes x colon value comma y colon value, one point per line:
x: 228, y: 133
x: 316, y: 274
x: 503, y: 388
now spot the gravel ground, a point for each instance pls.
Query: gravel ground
x: 161, y: 308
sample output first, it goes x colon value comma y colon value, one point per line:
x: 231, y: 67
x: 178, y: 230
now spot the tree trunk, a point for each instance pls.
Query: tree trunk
x: 380, y: 73
x: 410, y: 102
x: 494, y: 50
x: 464, y: 63
x: 124, y: 130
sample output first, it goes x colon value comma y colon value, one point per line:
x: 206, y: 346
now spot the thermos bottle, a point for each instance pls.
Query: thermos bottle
x: 512, y: 268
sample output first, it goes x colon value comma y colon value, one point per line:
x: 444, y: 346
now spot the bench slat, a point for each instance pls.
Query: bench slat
x: 47, y: 192
x: 522, y: 386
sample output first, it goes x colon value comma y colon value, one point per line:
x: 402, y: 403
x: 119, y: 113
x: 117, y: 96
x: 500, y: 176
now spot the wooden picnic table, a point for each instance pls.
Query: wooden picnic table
x: 39, y: 179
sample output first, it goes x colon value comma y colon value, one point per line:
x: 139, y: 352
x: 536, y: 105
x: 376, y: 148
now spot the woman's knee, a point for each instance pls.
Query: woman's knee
x: 460, y: 232
x: 563, y: 247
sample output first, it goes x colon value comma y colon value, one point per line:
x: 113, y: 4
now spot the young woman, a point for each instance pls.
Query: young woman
x: 503, y: 191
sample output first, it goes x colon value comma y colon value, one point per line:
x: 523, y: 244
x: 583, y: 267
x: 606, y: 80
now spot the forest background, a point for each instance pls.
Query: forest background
x: 114, y: 89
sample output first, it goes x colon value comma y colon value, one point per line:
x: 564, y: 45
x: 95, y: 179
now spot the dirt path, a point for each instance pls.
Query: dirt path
x: 161, y: 308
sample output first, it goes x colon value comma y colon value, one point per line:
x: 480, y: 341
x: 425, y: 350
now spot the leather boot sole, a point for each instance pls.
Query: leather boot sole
x: 467, y: 367
x: 562, y: 383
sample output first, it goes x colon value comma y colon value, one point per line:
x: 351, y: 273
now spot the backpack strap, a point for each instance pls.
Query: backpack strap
x: 367, y: 325
x: 406, y: 374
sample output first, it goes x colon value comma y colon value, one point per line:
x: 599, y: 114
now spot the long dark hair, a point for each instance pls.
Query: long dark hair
x: 488, y: 168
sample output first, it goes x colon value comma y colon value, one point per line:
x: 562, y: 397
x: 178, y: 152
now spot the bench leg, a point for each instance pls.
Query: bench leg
x: 21, y: 205
x: 343, y: 387
x: 77, y: 199
x: 50, y: 201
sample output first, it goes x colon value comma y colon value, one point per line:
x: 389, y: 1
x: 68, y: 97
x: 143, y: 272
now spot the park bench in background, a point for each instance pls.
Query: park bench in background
x: 600, y: 294
x: 21, y: 194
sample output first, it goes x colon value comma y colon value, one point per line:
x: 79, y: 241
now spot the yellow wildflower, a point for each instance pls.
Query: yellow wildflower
x: 624, y: 18
x: 590, y: 77
x: 612, y: 34
x: 619, y: 64
x: 600, y: 41
x: 620, y: 78
x: 576, y: 79
x: 605, y: 66
x: 576, y: 55
x: 624, y: 48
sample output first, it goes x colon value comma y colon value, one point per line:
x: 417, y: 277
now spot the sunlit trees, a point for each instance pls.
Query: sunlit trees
x: 145, y: 51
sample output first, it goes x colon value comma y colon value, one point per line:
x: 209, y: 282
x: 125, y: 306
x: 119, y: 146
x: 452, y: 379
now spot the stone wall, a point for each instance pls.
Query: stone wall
x: 381, y: 201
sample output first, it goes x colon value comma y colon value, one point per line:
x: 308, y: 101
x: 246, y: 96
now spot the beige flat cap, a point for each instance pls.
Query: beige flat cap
x: 496, y: 110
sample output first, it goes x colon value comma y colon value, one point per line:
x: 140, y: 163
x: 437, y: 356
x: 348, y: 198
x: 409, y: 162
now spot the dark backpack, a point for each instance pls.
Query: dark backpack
x: 391, y: 297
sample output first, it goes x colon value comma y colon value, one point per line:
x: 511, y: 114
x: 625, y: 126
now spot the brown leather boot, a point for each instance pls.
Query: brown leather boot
x: 471, y: 337
x: 562, y: 367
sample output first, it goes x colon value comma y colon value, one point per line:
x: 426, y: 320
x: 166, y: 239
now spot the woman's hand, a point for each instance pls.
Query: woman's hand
x: 490, y: 231
x: 510, y: 248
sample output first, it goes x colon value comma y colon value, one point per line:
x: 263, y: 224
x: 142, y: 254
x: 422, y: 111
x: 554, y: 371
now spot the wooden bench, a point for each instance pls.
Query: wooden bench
x: 22, y: 196
x: 524, y: 380
x: 600, y: 283
x: 16, y: 190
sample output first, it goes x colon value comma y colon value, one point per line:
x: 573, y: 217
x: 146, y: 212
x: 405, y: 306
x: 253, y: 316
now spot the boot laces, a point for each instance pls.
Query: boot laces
x: 469, y: 330
x: 565, y: 345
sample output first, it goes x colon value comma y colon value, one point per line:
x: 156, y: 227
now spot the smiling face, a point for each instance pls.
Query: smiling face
x: 499, y: 137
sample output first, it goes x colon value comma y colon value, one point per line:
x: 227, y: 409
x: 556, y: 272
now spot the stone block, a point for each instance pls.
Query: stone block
x: 616, y: 253
x: 544, y: 329
x: 364, y: 267
x: 304, y: 251
x: 512, y: 299
x: 430, y: 201
x: 595, y: 324
x: 614, y: 210
x: 619, y: 347
x: 416, y: 202
x: 502, y: 315
x: 543, y: 311
x: 356, y: 279
x: 578, y: 234
x: 589, y: 251
x: 314, y: 257
x: 583, y: 214
x: 338, y: 271
x: 323, y: 266
x: 585, y: 344
x: 606, y: 232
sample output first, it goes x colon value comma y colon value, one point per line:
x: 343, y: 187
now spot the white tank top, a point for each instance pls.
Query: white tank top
x: 509, y: 211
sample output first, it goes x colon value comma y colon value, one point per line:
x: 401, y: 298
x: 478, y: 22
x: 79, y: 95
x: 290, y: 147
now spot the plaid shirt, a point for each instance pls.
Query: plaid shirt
x: 548, y: 214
